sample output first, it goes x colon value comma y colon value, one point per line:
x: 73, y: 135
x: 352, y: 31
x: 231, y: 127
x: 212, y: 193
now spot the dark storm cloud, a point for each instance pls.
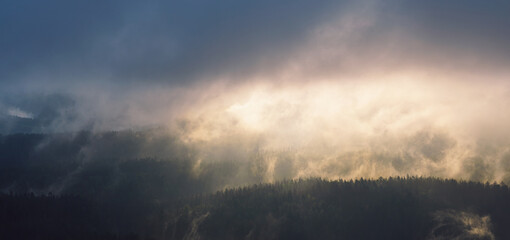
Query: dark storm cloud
x: 96, y: 65
x: 179, y: 41
x: 476, y: 30
x: 54, y: 36
x: 155, y: 40
x: 467, y: 37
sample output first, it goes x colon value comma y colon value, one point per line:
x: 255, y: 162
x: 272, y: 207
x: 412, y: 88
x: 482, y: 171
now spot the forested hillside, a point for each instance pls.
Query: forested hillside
x: 254, y: 120
x: 395, y: 208
x: 127, y: 185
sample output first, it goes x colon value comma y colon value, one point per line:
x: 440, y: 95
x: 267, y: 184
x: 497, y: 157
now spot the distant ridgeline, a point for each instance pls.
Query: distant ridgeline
x: 133, y: 185
x: 394, y: 208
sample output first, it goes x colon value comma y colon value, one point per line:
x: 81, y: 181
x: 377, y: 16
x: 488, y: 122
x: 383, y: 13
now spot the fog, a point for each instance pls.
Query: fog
x: 333, y: 89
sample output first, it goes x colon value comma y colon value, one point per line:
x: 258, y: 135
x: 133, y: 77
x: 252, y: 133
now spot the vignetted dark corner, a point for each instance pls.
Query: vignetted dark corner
x: 254, y: 119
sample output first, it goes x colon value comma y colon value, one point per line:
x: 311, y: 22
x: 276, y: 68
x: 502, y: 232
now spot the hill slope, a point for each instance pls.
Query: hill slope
x: 394, y: 208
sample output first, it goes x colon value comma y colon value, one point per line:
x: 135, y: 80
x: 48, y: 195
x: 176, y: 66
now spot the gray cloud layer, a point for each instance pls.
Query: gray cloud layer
x: 405, y: 86
x: 106, y: 56
x: 170, y: 41
x: 181, y: 41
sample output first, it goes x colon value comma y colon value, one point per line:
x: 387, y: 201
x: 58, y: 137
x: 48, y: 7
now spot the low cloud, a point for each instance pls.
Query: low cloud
x: 451, y: 224
x: 16, y: 112
x: 334, y: 89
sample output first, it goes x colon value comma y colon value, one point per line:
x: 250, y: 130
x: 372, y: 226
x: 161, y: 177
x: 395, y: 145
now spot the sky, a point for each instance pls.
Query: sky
x: 421, y: 86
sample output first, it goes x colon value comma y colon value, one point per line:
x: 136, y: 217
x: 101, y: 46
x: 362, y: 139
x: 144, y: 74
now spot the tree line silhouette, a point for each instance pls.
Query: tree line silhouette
x: 392, y: 208
x: 106, y: 186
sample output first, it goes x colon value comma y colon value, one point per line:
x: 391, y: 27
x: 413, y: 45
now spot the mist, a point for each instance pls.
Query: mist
x: 254, y: 119
x: 334, y: 90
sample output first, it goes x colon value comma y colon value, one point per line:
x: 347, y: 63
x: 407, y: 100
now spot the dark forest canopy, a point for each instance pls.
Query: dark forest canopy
x: 111, y: 164
x: 240, y: 119
x: 137, y: 185
x: 394, y: 208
